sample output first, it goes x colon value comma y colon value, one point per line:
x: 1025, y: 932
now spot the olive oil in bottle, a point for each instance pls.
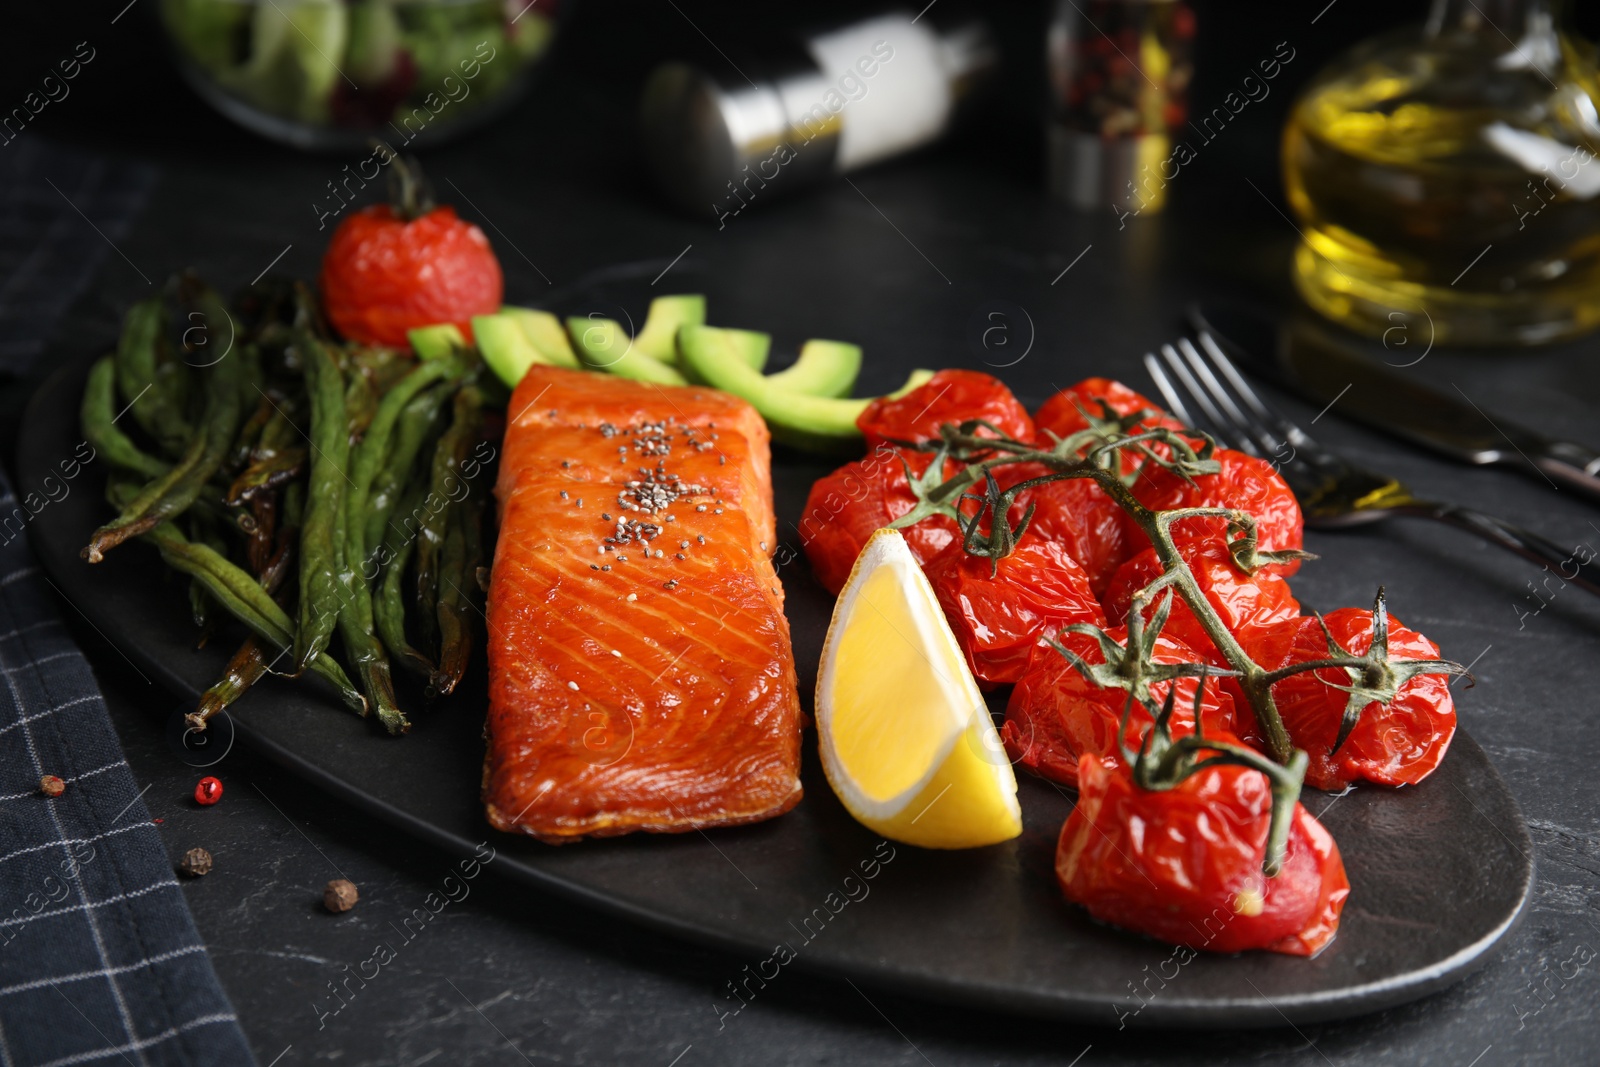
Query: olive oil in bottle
x: 1446, y: 181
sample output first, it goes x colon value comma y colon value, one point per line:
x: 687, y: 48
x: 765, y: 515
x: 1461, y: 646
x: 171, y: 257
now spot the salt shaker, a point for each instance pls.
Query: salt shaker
x: 845, y: 98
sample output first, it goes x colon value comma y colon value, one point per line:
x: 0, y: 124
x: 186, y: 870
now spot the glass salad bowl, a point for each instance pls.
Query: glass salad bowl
x: 335, y: 74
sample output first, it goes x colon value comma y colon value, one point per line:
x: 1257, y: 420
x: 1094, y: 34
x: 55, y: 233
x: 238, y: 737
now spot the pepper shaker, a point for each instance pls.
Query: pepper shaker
x: 1119, y: 73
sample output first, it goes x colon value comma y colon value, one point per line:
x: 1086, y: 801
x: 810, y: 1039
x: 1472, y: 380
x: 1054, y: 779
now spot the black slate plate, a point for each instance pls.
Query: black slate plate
x: 1440, y: 871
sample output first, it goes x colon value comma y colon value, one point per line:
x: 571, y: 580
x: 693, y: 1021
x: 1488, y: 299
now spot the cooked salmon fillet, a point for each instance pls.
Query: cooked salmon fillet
x: 715, y: 439
x: 641, y: 676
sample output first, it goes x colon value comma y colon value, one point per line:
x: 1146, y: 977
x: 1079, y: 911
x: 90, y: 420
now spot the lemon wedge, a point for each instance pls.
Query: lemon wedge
x: 906, y: 738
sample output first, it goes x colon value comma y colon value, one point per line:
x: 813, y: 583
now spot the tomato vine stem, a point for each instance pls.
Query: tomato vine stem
x: 1096, y: 453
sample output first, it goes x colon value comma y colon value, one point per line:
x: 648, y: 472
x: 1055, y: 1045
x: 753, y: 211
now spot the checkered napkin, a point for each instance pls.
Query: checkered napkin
x: 100, y: 962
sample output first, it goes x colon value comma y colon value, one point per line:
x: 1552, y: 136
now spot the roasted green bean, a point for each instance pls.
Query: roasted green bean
x: 149, y: 387
x: 445, y: 483
x: 237, y: 592
x: 458, y: 602
x: 321, y: 540
x: 99, y: 417
x: 171, y: 494
x: 245, y: 669
x: 368, y: 456
x: 389, y: 608
x: 421, y: 419
x: 356, y: 626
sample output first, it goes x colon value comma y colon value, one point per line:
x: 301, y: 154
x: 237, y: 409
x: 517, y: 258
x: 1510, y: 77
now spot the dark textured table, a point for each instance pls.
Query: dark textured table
x: 909, y: 260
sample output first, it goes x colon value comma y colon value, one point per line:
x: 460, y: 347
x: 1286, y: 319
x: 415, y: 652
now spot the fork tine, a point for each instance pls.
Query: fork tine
x: 1168, y: 393
x: 1257, y: 432
x: 1257, y: 406
x: 1218, y: 427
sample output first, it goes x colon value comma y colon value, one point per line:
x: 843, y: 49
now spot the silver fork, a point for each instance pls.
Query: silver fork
x: 1333, y: 493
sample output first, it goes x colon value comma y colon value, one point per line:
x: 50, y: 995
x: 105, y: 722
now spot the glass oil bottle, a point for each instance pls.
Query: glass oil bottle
x: 1445, y: 182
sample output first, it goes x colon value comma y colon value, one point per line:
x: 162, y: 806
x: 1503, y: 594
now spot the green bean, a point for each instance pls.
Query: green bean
x: 239, y: 593
x: 260, y: 526
x: 99, y: 418
x: 268, y: 472
x: 389, y: 609
x: 370, y: 454
x: 356, y: 623
x: 247, y: 602
x: 418, y: 423
x: 321, y: 534
x: 360, y: 399
x: 457, y: 600
x: 247, y: 667
x: 254, y: 399
x: 466, y: 425
x: 249, y: 664
x: 203, y: 530
x: 147, y: 388
x: 385, y: 367
x: 171, y: 494
x: 278, y: 454
x: 276, y: 569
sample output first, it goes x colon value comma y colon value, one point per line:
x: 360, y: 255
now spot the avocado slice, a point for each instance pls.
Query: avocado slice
x: 545, y: 332
x: 750, y: 346
x: 438, y: 341
x: 658, y: 337
x: 825, y: 368
x: 814, y: 423
x: 602, y: 344
x: 505, y: 348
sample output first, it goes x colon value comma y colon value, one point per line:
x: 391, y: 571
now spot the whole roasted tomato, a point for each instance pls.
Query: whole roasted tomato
x: 1070, y: 411
x: 1000, y: 614
x: 1057, y: 715
x: 1399, y: 743
x: 1184, y: 864
x: 950, y: 396
x: 1246, y: 603
x: 1245, y: 483
x: 384, y: 274
x: 849, y: 505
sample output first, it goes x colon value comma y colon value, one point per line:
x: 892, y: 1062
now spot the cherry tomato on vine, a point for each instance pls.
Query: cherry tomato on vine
x: 1057, y: 715
x: 1245, y: 483
x: 384, y: 274
x: 1399, y: 743
x: 1184, y: 864
x: 1069, y: 412
x: 952, y: 396
x: 845, y: 508
x: 999, y: 614
x: 1245, y: 603
x: 1076, y: 513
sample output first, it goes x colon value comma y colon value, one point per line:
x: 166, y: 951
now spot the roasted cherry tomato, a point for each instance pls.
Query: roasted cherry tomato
x: 1246, y: 603
x: 849, y: 505
x: 1077, y: 514
x: 1245, y: 484
x: 1056, y: 714
x: 1000, y: 614
x: 1395, y: 744
x: 383, y: 275
x: 1069, y: 412
x: 1184, y: 864
x: 950, y: 396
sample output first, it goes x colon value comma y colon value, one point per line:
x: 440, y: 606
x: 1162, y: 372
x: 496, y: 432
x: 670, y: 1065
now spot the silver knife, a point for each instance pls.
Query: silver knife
x: 1305, y: 357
